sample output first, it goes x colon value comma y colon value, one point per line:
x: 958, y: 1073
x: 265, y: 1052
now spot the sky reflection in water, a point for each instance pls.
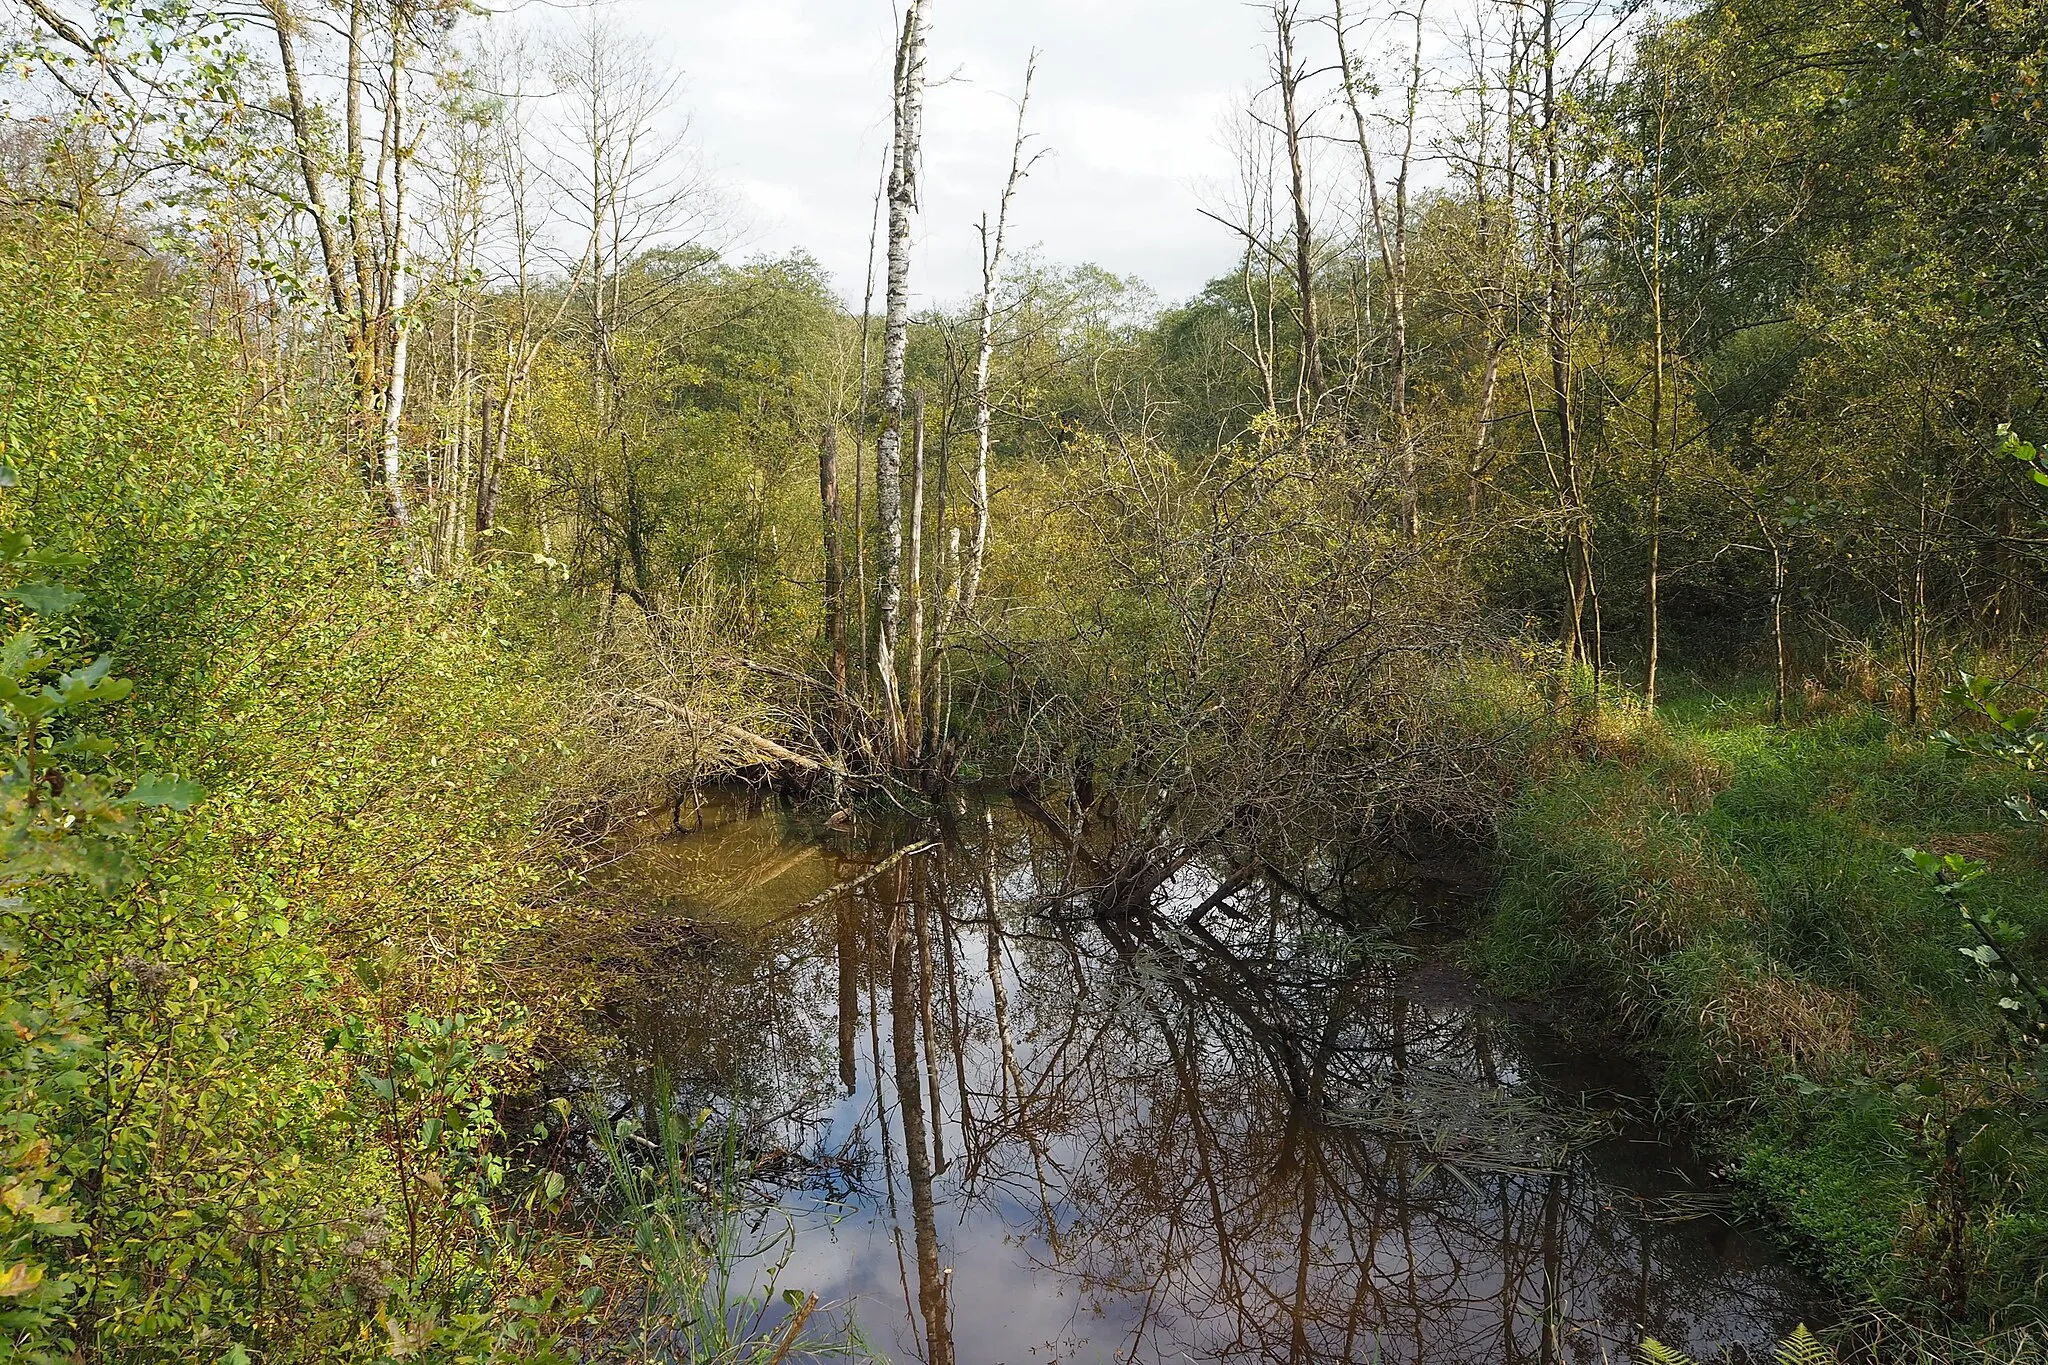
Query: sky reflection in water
x: 1249, y: 1138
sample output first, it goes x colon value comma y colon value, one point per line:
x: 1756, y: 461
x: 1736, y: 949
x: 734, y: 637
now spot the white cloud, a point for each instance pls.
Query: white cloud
x: 789, y: 104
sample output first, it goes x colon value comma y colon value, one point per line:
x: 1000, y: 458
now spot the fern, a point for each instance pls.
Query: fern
x: 1803, y: 1348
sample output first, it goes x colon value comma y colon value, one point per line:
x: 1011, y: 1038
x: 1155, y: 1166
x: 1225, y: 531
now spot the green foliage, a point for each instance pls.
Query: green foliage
x: 1801, y: 1348
x: 1732, y: 892
x: 190, y: 1168
x: 2015, y: 737
x: 57, y: 824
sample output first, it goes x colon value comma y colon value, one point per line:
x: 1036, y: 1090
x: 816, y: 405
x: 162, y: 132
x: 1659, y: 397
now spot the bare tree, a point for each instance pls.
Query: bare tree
x: 909, y: 108
x: 535, y: 310
x: 1288, y: 78
x: 629, y: 172
x: 985, y: 314
x: 1390, y: 236
x: 1494, y: 191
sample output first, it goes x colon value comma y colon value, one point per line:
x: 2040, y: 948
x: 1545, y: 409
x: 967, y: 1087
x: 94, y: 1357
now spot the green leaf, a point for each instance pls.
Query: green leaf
x: 1803, y: 1348
x: 171, y: 793
x: 44, y: 599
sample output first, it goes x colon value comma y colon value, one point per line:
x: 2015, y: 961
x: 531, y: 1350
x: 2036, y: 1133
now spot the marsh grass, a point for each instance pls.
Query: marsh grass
x: 710, y: 1252
x: 1731, y: 892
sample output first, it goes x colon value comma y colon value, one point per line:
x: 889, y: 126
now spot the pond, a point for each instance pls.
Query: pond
x: 996, y: 1129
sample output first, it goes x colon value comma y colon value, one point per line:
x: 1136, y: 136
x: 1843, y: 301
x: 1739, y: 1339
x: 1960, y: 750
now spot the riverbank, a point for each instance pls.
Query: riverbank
x: 1733, y: 895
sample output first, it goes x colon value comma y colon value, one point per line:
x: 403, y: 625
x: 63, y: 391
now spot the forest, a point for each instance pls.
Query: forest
x: 1495, y: 753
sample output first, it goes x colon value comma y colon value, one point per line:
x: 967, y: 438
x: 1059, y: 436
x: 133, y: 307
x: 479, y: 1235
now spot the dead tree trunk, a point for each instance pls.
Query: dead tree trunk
x: 913, y: 574
x: 909, y: 103
x: 1289, y: 76
x: 835, y: 575
x: 991, y: 279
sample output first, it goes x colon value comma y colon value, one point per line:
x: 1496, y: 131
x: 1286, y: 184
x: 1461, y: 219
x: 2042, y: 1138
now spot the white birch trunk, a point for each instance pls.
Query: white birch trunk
x: 909, y: 103
x: 991, y: 279
x: 394, y: 394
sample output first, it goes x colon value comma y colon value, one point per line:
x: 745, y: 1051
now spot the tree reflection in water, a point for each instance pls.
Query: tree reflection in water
x: 1013, y: 1134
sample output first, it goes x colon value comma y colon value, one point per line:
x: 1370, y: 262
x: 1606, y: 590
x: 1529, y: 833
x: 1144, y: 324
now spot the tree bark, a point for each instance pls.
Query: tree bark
x: 401, y: 326
x: 1289, y: 79
x: 909, y: 103
x: 835, y: 575
x: 913, y: 573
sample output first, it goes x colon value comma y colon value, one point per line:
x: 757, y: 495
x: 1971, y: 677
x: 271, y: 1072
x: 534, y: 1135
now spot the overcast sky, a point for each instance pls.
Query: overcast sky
x: 789, y: 101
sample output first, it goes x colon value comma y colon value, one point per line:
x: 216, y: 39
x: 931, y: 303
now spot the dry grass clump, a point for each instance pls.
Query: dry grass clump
x: 1772, y: 1020
x: 1680, y: 888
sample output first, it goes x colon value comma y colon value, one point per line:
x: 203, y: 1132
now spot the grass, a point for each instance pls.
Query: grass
x: 708, y: 1285
x: 1733, y: 892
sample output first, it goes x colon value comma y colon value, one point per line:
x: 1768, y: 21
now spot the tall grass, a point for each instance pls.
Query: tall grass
x: 711, y: 1253
x: 1732, y: 893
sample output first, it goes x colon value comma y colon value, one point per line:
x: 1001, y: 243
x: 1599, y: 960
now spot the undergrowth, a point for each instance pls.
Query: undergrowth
x: 1733, y: 892
x: 254, y: 1063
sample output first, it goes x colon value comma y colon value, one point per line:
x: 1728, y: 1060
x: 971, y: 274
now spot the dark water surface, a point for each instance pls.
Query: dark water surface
x: 1003, y: 1132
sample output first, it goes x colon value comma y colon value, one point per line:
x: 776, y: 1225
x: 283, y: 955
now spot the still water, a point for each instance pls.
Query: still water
x: 997, y: 1130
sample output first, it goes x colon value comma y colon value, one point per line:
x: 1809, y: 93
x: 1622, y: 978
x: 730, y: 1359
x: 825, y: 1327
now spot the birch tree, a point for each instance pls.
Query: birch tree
x: 908, y: 105
x: 396, y: 267
x: 1390, y: 238
x: 985, y: 323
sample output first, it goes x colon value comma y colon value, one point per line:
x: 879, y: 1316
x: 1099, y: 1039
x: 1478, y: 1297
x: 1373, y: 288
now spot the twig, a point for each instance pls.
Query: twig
x: 780, y: 753
x: 794, y: 1330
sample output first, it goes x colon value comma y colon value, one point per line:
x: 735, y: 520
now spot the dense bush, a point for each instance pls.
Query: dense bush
x: 249, y: 1078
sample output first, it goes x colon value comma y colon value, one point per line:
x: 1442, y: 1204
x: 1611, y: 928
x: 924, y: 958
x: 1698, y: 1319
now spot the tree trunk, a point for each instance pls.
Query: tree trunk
x: 1783, y: 682
x: 401, y: 326
x: 1290, y: 77
x: 895, y: 347
x: 336, y: 258
x: 1658, y: 466
x: 1916, y: 619
x: 1475, y: 467
x: 358, y: 208
x: 991, y: 278
x: 1392, y: 241
x: 835, y: 575
x: 860, y: 522
x: 1579, y: 552
x: 913, y: 572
